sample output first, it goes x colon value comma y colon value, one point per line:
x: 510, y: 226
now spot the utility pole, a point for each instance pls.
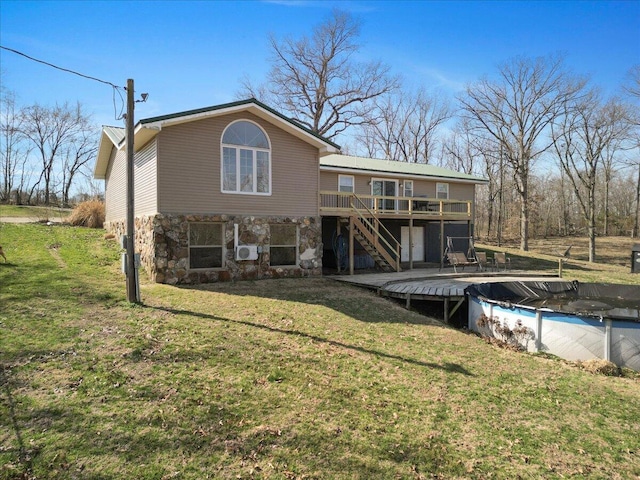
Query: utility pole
x: 133, y: 291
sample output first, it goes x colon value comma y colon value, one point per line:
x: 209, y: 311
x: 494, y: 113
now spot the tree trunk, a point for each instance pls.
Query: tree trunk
x: 489, y: 212
x: 607, y: 181
x: 500, y: 202
x: 634, y: 234
x: 524, y: 224
x: 592, y: 227
x: 523, y: 190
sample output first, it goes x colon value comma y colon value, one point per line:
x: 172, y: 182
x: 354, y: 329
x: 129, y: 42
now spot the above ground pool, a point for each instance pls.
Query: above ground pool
x: 575, y: 321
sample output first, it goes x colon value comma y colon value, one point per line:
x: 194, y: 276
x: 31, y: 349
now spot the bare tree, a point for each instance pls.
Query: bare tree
x: 463, y: 151
x: 76, y: 156
x: 317, y: 81
x: 51, y: 130
x: 12, y: 149
x: 405, y: 127
x: 611, y: 162
x: 632, y: 83
x: 516, y: 109
x: 631, y: 88
x: 580, y: 139
x: 471, y: 152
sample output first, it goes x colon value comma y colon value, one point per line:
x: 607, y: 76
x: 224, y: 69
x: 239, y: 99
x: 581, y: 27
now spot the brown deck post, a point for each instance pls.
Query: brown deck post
x: 446, y: 310
x: 410, y: 243
x: 351, y: 242
x: 338, y: 232
x: 441, y: 244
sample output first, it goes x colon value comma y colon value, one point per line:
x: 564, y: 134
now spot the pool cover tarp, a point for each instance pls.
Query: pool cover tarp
x: 509, y: 291
x: 593, y: 299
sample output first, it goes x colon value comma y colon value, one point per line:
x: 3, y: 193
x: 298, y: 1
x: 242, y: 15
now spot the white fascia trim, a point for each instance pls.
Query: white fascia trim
x: 380, y: 173
x: 102, y: 158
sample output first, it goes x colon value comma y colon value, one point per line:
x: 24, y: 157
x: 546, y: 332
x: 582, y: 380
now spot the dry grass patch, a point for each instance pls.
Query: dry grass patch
x: 599, y: 366
x: 89, y: 214
x: 613, y: 258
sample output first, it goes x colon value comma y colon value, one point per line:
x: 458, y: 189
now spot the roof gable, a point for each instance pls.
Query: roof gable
x: 148, y: 128
x: 111, y: 137
x: 251, y: 105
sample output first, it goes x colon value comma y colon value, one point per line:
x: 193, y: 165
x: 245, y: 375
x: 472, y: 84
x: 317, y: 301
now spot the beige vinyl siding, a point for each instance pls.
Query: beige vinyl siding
x: 457, y: 191
x: 189, y: 172
x: 461, y: 191
x: 423, y: 188
x: 145, y: 175
x: 115, y: 190
x: 329, y: 182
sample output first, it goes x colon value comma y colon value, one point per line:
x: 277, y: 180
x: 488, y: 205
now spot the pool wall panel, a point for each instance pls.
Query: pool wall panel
x: 571, y: 337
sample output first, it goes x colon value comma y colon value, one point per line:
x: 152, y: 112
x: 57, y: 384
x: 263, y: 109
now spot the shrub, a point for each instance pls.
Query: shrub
x: 88, y: 214
x: 517, y: 338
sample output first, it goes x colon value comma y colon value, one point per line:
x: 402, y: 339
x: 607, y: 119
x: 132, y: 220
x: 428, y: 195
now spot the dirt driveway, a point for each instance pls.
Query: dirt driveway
x: 28, y: 220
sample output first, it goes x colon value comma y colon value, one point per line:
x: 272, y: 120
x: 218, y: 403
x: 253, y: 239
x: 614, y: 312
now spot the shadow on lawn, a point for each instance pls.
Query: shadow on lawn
x: 23, y: 453
x: 356, y: 302
x: 449, y: 367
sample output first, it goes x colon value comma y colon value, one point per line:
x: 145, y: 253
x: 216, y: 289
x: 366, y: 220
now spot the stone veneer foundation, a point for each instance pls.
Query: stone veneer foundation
x: 163, y: 244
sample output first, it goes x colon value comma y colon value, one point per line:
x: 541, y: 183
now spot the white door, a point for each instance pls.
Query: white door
x: 418, y: 244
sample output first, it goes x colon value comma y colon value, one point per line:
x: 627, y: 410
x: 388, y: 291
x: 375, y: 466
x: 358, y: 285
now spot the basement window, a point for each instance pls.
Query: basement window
x: 205, y: 245
x: 283, y: 245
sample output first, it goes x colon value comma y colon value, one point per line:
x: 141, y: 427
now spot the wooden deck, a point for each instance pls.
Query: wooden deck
x: 434, y: 284
x: 341, y: 204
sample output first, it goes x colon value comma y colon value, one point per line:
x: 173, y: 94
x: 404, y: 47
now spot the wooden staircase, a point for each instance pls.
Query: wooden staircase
x: 373, y: 236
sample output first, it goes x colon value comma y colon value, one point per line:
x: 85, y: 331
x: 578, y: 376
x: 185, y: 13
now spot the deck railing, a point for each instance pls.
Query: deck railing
x: 332, y: 202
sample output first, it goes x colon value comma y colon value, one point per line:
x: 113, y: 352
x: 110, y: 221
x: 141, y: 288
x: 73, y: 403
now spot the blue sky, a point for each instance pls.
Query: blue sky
x: 189, y: 54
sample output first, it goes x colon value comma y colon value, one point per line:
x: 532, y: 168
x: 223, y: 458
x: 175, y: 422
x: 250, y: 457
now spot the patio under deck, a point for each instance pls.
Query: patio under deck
x: 434, y: 285
x: 375, y: 210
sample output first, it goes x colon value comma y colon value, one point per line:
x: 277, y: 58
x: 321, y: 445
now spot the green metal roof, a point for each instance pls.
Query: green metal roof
x: 395, y: 167
x: 116, y: 134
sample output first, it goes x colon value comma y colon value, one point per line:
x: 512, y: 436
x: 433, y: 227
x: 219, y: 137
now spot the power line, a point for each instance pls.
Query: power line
x: 59, y: 68
x: 116, y: 89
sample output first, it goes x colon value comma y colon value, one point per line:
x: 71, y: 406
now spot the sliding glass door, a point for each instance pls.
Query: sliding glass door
x: 385, y: 188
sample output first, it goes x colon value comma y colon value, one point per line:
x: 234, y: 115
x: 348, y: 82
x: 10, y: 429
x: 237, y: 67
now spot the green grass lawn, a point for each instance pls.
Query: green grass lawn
x: 282, y: 379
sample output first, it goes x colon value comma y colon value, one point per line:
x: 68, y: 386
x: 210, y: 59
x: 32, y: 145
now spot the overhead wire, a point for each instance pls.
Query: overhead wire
x: 116, y: 89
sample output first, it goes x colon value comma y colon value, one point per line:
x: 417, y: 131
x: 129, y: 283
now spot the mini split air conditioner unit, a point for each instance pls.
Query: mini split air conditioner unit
x: 247, y: 252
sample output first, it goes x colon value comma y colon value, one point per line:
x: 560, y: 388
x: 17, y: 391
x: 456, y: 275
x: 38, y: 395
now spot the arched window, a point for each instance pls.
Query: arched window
x: 246, y: 159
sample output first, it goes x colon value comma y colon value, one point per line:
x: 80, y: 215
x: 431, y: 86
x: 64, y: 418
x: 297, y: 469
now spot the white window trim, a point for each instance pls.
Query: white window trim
x: 377, y: 179
x: 353, y: 183
x: 404, y: 187
x: 437, y: 190
x: 297, y: 247
x: 255, y: 162
x: 395, y: 202
x: 223, y: 246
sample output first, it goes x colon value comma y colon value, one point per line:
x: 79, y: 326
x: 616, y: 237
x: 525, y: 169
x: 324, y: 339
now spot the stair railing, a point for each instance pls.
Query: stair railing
x: 371, y: 228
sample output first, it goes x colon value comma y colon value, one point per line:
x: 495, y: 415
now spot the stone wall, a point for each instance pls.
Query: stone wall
x: 163, y: 244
